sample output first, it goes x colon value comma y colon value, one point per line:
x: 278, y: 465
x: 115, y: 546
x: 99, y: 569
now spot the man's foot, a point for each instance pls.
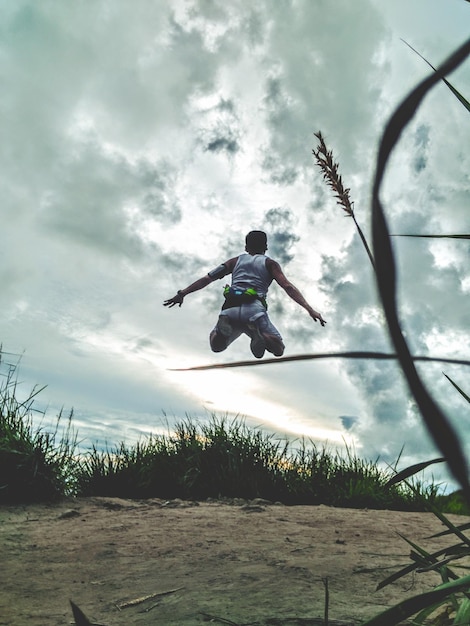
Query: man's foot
x: 257, y: 344
x: 274, y: 344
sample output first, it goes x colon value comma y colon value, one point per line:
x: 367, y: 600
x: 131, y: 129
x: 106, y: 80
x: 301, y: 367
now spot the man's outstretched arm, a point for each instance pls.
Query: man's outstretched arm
x: 218, y: 272
x: 195, y: 286
x: 293, y: 292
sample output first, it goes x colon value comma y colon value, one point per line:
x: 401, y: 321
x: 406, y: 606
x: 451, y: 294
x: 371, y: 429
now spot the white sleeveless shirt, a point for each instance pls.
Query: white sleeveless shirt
x: 250, y: 271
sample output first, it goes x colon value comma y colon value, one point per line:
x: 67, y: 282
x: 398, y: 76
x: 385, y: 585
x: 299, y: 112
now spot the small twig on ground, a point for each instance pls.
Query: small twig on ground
x: 135, y: 601
x: 280, y: 621
x: 221, y: 620
x: 150, y: 608
x: 304, y: 621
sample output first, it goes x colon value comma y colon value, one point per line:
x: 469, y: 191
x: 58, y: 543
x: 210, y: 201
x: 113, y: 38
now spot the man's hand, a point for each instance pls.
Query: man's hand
x: 178, y: 299
x: 317, y: 316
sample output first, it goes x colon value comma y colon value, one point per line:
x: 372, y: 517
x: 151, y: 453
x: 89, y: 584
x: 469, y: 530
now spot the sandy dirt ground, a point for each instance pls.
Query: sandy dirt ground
x: 212, y: 562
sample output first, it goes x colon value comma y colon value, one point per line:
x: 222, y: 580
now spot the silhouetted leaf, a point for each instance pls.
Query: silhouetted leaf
x: 411, y: 471
x: 456, y: 93
x: 312, y: 357
x: 409, y: 607
x: 434, y: 236
x: 467, y: 398
x: 436, y: 421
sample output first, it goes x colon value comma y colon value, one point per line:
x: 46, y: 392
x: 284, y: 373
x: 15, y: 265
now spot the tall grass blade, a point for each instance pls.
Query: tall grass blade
x: 411, y: 471
x: 452, y: 527
x: 434, y: 236
x: 456, y: 530
x: 420, y: 555
x: 424, y: 562
x: 463, y: 614
x: 420, y: 558
x: 309, y: 357
x: 409, y: 607
x: 467, y: 398
x: 436, y: 421
x: 423, y: 617
x: 456, y: 93
x: 79, y: 617
x: 450, y: 532
x: 408, y: 569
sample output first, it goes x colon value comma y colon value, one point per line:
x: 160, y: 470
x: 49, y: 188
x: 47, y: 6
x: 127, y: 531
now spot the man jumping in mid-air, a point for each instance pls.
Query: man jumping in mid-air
x: 245, y: 308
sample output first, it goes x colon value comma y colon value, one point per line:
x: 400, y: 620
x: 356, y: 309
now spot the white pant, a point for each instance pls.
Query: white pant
x: 252, y: 313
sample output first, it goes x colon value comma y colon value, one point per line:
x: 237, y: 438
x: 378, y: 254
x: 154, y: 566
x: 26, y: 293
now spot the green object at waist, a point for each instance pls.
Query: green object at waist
x: 236, y: 297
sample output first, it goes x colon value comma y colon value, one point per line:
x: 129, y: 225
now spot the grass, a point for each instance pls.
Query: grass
x: 36, y: 464
x: 197, y: 461
x: 225, y: 459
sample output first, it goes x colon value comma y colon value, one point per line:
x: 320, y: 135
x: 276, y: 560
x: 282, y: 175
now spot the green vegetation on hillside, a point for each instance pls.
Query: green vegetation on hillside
x: 220, y: 459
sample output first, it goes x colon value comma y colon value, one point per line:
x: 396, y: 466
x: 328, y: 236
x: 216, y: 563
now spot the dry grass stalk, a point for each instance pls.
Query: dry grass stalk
x: 331, y: 174
x: 332, y: 177
x: 151, y: 596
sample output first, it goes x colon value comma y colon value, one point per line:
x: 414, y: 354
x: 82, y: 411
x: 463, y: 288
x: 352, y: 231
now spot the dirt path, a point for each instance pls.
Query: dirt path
x: 241, y: 562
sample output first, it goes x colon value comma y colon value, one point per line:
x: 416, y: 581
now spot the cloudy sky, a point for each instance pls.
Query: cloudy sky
x: 141, y: 141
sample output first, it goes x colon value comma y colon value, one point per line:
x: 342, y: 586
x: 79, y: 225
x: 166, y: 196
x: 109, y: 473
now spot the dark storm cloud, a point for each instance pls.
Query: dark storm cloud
x: 302, y: 91
x: 279, y: 224
x: 255, y: 27
x: 421, y: 142
x: 94, y: 191
x: 281, y: 114
x: 223, y: 144
x: 86, y: 202
x: 348, y: 421
x: 320, y: 196
x: 183, y: 266
x: 275, y: 99
x: 157, y: 198
x: 279, y: 172
x: 227, y: 105
x: 220, y: 128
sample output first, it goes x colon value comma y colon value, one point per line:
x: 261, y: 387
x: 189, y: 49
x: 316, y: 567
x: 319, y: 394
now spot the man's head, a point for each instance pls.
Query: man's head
x: 256, y: 242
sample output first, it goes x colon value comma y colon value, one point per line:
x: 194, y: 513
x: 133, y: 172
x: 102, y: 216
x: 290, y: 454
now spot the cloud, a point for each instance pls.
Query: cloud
x: 279, y: 223
x: 310, y: 69
x: 421, y: 143
x: 98, y: 199
x: 220, y: 132
x: 348, y: 421
x: 223, y: 144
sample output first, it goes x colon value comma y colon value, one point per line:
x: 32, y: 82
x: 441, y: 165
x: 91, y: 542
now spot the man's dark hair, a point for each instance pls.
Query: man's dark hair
x: 256, y: 241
